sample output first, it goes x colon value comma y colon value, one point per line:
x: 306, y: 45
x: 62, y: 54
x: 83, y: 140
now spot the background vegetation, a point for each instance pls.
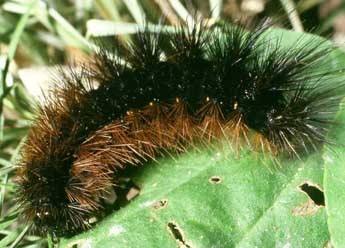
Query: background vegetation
x: 35, y: 35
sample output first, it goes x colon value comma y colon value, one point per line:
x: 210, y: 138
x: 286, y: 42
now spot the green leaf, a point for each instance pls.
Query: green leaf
x: 334, y: 183
x: 213, y: 198
x: 249, y: 206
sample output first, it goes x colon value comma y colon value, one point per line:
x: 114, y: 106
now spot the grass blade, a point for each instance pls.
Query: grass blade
x: 108, y: 9
x: 216, y: 8
x: 68, y: 32
x: 182, y: 12
x: 135, y: 10
x: 290, y: 8
x: 97, y: 28
x: 20, y: 237
x: 4, y: 90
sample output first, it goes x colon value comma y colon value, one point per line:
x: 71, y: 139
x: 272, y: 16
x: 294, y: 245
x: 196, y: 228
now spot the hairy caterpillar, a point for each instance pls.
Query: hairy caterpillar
x: 206, y: 84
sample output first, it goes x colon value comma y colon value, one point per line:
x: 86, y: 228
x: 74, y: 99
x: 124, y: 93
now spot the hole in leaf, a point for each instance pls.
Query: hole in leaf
x: 160, y: 204
x: 177, y: 234
x: 215, y: 180
x: 76, y: 244
x: 314, y: 193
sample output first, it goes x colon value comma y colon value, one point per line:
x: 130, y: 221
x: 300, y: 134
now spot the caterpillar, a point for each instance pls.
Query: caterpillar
x: 196, y: 85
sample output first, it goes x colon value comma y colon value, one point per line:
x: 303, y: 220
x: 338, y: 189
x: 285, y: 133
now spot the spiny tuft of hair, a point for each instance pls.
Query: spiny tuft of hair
x: 174, y: 90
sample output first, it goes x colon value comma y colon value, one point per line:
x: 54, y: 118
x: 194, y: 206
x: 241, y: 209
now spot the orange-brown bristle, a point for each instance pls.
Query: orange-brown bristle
x: 212, y: 85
